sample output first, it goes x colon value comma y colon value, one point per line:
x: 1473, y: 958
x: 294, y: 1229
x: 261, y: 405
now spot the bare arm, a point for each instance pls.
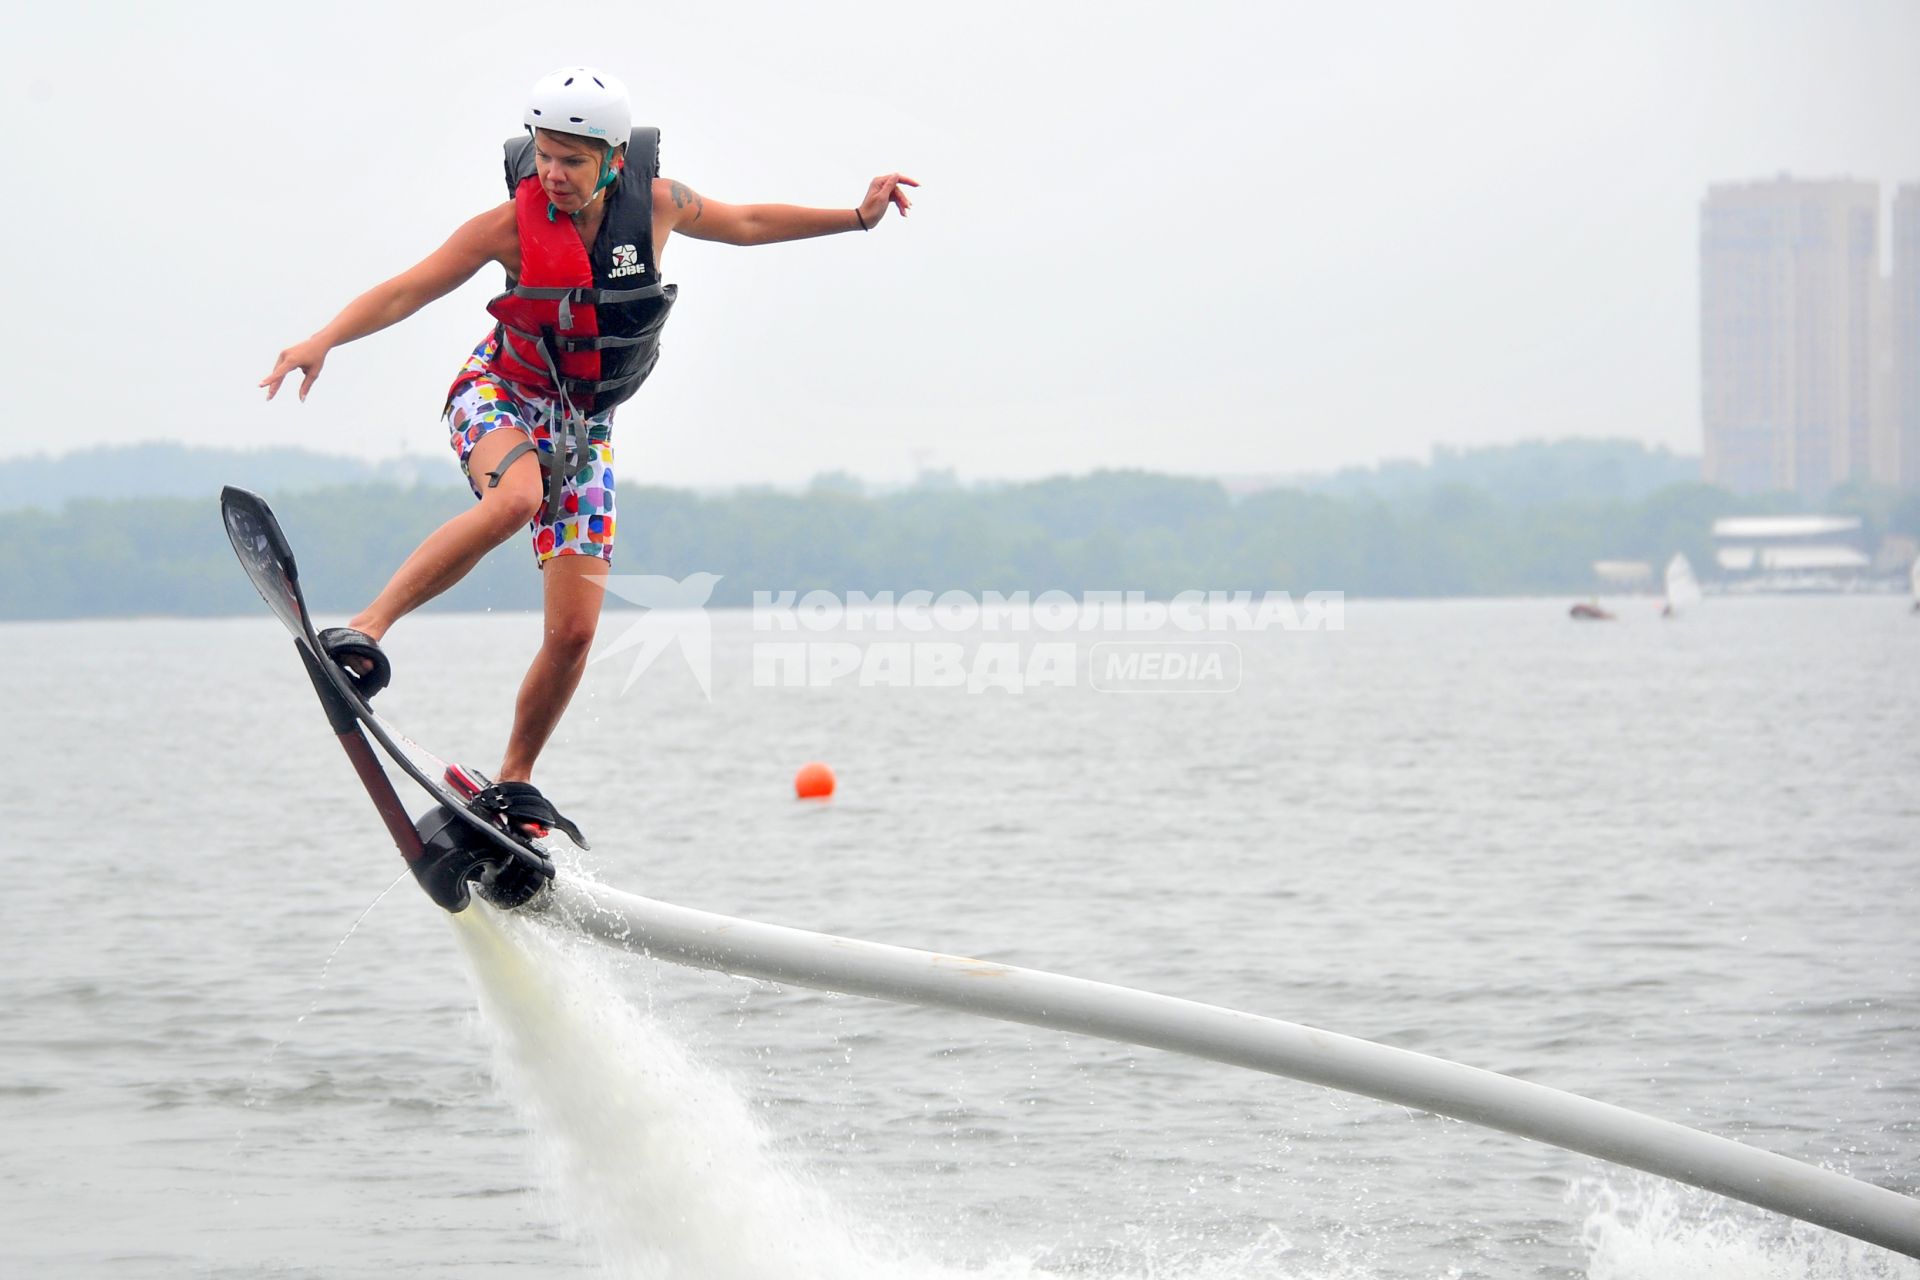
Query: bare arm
x: 488, y: 238
x: 682, y: 209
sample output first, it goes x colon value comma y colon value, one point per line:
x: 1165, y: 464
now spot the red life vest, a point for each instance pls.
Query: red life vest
x: 580, y: 323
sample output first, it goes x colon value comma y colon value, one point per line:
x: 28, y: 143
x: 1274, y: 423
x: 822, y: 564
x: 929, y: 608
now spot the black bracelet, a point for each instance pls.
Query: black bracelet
x: 858, y: 217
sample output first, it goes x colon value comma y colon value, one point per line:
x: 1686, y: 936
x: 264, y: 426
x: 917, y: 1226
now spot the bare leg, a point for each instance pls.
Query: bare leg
x: 451, y: 551
x: 574, y: 593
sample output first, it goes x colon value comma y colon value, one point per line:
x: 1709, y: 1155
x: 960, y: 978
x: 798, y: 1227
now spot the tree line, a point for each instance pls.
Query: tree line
x: 1118, y: 530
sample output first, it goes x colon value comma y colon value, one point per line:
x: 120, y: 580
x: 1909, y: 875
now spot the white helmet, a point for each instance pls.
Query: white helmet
x: 580, y: 100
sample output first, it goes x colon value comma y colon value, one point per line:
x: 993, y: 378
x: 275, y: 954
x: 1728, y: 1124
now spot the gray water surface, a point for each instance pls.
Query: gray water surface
x: 1672, y: 866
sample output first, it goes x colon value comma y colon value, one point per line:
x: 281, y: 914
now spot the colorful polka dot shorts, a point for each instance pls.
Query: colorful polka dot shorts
x: 482, y: 401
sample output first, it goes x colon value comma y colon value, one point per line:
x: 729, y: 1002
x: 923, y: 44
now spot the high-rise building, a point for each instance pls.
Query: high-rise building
x: 1903, y: 326
x: 1788, y: 275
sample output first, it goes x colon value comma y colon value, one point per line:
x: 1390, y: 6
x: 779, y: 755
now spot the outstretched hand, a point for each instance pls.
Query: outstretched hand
x: 883, y: 191
x: 308, y: 357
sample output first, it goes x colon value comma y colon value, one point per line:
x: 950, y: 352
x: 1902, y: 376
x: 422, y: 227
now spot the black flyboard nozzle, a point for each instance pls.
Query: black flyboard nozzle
x: 453, y: 858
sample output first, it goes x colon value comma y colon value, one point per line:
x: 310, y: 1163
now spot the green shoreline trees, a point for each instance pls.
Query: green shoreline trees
x: 1119, y: 530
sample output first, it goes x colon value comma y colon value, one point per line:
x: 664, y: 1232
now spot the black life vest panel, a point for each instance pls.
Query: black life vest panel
x: 583, y: 322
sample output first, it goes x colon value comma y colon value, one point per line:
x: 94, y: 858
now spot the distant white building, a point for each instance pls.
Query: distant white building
x: 1790, y: 552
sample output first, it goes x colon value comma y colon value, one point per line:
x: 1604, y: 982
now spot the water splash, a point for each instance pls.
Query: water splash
x: 1640, y: 1228
x: 656, y: 1160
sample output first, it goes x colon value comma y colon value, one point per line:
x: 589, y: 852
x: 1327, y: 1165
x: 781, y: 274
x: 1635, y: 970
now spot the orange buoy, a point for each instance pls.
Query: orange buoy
x: 813, y: 782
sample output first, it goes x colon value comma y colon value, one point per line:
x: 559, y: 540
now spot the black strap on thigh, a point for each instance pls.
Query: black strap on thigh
x: 513, y: 454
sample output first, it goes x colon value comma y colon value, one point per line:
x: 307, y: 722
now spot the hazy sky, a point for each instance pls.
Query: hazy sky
x: 1219, y: 238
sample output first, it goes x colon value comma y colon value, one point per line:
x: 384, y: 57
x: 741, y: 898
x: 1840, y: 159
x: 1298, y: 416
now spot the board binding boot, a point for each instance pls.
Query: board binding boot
x: 346, y: 647
x: 517, y: 808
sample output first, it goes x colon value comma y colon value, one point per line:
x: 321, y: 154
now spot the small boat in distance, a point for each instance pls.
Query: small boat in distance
x: 1589, y: 612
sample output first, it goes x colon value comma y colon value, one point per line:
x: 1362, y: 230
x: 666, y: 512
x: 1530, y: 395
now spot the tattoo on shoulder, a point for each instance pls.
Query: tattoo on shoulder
x: 684, y: 195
